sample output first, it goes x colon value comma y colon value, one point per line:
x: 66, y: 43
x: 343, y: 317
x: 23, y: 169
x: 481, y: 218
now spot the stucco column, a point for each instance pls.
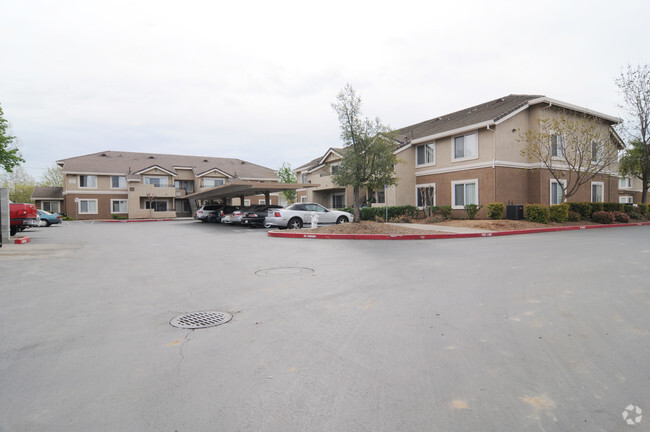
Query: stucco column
x: 4, y: 214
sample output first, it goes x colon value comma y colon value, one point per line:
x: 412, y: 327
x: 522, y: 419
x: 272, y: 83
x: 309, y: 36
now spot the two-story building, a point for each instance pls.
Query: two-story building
x: 472, y: 156
x: 146, y: 185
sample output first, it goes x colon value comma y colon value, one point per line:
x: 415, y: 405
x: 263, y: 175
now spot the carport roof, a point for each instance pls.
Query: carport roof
x: 237, y: 189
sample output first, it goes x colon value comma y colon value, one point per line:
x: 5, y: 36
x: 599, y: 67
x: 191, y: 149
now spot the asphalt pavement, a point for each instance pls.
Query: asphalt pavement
x: 538, y: 332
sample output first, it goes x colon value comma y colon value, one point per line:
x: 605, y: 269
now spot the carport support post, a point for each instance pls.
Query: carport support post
x: 241, y: 200
x: 267, y: 197
x: 4, y: 215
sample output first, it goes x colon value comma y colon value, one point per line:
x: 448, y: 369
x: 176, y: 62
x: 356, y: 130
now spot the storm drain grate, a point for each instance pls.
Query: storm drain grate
x: 285, y: 271
x: 198, y: 320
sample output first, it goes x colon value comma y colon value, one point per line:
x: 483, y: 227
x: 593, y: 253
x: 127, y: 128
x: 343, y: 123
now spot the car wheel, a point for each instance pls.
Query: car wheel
x: 342, y: 219
x: 204, y: 220
x: 47, y: 223
x: 13, y: 230
x: 295, y: 223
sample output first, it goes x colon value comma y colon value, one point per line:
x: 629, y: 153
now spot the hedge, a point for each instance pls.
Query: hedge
x: 612, y: 207
x: 496, y: 210
x: 582, y: 208
x: 374, y: 213
x: 559, y: 213
x: 536, y: 213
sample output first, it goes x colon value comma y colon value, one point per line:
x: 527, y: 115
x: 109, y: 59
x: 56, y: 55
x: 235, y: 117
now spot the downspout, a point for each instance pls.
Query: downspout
x: 494, y: 159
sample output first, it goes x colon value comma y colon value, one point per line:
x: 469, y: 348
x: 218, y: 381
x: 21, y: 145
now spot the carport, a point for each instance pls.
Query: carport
x: 243, y: 189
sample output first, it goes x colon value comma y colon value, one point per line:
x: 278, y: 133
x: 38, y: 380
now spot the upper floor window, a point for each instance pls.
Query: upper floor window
x: 557, y: 146
x: 425, y: 154
x: 212, y: 182
x: 186, y: 185
x: 596, y: 152
x: 157, y: 181
x: 625, y: 183
x: 303, y: 178
x: 334, y: 169
x: 466, y: 147
x: 118, y: 182
x: 87, y: 181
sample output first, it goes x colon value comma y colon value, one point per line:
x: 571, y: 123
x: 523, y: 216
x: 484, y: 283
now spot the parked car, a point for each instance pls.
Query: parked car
x: 21, y: 216
x: 48, y: 218
x: 255, y: 216
x: 235, y: 216
x: 297, y: 215
x: 217, y: 216
x: 206, y: 210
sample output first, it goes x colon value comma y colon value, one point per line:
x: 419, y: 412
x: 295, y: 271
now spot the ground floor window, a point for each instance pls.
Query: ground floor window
x: 159, y: 206
x: 183, y: 206
x: 119, y: 206
x: 303, y: 199
x: 464, y: 192
x: 261, y: 202
x: 597, y: 192
x: 51, y: 206
x: 425, y: 195
x: 557, y: 193
x: 338, y: 200
x: 626, y: 199
x: 87, y: 206
x: 380, y: 197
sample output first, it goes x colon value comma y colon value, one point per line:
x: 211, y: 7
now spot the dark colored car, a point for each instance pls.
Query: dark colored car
x: 255, y: 216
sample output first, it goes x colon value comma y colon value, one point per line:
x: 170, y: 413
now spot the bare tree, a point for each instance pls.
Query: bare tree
x: 634, y: 86
x: 574, y: 148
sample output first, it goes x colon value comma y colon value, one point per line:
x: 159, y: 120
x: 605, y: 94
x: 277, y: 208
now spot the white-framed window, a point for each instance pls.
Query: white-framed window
x: 51, y: 206
x: 212, y: 182
x: 625, y: 183
x: 303, y: 178
x: 88, y: 181
x: 261, y: 201
x: 118, y: 182
x: 596, y: 151
x: 465, y: 147
x: 597, y: 192
x: 119, y: 206
x: 159, y: 206
x: 87, y: 206
x: 557, y: 192
x: 464, y: 192
x: 303, y: 199
x: 247, y: 203
x: 425, y: 154
x: 380, y: 196
x: 626, y: 199
x: 557, y: 146
x: 157, y: 181
x: 425, y: 195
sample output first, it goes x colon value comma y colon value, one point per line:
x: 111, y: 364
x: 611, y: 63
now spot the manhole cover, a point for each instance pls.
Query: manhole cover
x: 197, y: 320
x: 285, y: 271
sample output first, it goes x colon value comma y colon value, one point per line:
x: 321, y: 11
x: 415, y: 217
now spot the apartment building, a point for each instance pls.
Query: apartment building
x: 148, y: 185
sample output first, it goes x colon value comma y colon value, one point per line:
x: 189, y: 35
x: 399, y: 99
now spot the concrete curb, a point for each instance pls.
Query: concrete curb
x: 445, y: 235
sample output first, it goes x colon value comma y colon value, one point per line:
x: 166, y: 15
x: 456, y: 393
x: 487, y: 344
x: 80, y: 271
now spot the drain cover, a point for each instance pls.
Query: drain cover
x: 285, y: 271
x: 197, y: 320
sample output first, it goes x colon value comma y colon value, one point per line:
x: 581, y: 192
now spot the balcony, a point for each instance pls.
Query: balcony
x: 143, y: 190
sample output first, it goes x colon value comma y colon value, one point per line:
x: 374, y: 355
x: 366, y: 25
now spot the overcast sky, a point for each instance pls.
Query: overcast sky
x: 255, y: 79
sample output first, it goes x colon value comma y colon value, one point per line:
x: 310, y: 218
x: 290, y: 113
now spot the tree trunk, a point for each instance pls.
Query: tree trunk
x: 355, y: 191
x: 644, y: 190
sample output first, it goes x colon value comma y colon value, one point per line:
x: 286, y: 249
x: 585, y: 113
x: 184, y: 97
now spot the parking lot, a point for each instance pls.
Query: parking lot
x: 533, y: 332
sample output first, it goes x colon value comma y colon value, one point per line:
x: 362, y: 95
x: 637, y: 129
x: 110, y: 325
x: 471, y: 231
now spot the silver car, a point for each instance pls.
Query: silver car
x: 297, y: 215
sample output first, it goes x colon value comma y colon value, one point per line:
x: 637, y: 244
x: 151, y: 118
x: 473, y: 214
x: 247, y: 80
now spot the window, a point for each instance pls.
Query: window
x: 87, y: 206
x: 464, y: 192
x: 380, y: 197
x: 626, y: 199
x: 338, y: 200
x: 212, y: 182
x: 247, y: 203
x: 625, y: 183
x: 334, y: 169
x: 425, y: 195
x: 183, y: 206
x: 158, y: 181
x: 466, y: 147
x: 159, y: 206
x: 118, y: 182
x: 303, y: 178
x: 425, y: 154
x: 595, y: 152
x: 557, y: 193
x: 303, y: 199
x: 597, y: 192
x: 557, y: 146
x: 119, y: 206
x: 51, y: 206
x: 261, y: 202
x: 187, y: 186
x: 87, y: 181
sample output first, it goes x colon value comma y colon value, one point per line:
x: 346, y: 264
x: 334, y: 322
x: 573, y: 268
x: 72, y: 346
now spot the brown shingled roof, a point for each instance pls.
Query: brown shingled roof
x: 47, y: 192
x: 119, y: 162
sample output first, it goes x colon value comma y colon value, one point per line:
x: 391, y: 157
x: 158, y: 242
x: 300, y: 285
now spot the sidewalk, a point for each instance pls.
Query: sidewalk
x: 441, y: 228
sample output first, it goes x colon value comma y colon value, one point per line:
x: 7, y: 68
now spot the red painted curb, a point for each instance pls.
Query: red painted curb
x: 442, y: 236
x: 22, y: 240
x: 134, y: 220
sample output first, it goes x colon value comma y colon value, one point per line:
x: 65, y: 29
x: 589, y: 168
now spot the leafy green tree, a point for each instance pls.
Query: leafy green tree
x: 634, y: 86
x: 368, y: 160
x: 287, y: 176
x: 20, y: 184
x: 53, y: 176
x: 9, y: 154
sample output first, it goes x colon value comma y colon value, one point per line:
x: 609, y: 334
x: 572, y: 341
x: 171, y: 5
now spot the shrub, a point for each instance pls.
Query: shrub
x: 472, y: 210
x: 119, y: 217
x: 596, y: 207
x: 629, y: 208
x: 612, y: 207
x: 643, y: 208
x: 635, y: 215
x: 603, y: 217
x: 573, y: 216
x: 582, y: 208
x: 379, y: 213
x: 496, y: 210
x: 536, y: 213
x: 559, y: 213
x: 621, y: 217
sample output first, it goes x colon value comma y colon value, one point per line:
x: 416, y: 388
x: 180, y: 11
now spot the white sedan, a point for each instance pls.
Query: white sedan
x: 297, y: 215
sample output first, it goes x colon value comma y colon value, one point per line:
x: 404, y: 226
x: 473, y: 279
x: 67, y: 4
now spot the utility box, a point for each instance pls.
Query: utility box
x: 514, y: 212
